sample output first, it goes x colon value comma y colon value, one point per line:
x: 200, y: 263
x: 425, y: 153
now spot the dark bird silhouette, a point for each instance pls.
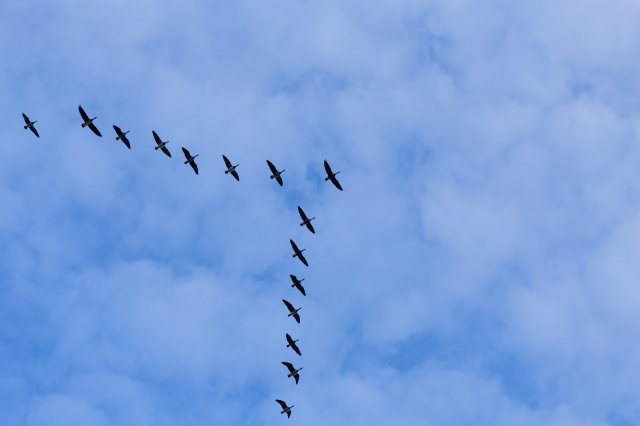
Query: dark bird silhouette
x: 297, y: 284
x: 231, y: 169
x: 285, y: 408
x: 293, y: 312
x: 306, y: 221
x: 88, y: 122
x: 30, y: 124
x: 122, y: 136
x: 161, y: 145
x: 331, y: 176
x: 298, y: 253
x: 293, y: 372
x: 292, y: 344
x: 190, y: 159
x: 275, y: 174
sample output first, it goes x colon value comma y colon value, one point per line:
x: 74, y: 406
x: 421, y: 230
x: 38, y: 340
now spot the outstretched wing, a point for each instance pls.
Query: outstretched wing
x: 186, y: 152
x: 226, y: 161
x: 289, y: 366
x: 303, y: 259
x: 294, y: 246
x: 272, y: 167
x: 125, y: 140
x: 327, y: 168
x: 166, y: 151
x: 156, y: 138
x: 83, y: 114
x: 35, y: 132
x: 296, y: 377
x: 301, y: 288
x: 282, y: 404
x: 235, y: 175
x: 288, y: 305
x: 279, y: 180
x: 310, y: 227
x: 118, y: 130
x: 94, y: 129
x: 289, y: 414
x: 303, y: 216
x: 336, y: 183
x: 296, y: 317
x: 194, y: 166
x: 27, y: 121
x: 295, y: 348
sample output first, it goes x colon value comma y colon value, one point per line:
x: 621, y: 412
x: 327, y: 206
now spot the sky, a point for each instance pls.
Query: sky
x: 479, y: 268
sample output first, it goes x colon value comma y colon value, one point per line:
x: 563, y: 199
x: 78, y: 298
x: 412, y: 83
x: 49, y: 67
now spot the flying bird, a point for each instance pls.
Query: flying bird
x: 306, y: 221
x: 285, y: 408
x: 88, y: 121
x: 331, y: 176
x: 275, y: 174
x: 190, y: 159
x: 292, y: 344
x: 161, y: 145
x: 298, y: 253
x: 293, y: 312
x: 122, y: 136
x: 30, y: 124
x: 293, y: 372
x: 231, y: 169
x: 297, y: 284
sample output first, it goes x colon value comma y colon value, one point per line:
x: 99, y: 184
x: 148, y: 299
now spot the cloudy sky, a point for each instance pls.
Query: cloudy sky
x: 480, y: 268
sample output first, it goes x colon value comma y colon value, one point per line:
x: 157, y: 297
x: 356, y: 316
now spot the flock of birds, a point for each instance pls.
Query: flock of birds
x: 230, y: 169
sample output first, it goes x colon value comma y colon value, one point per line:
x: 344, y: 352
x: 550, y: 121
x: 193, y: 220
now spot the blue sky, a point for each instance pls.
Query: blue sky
x: 479, y: 268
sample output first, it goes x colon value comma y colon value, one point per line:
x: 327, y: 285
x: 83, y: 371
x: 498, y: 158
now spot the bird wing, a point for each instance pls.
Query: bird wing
x: 288, y: 305
x: 327, y: 168
x: 186, y: 152
x: 303, y: 259
x: 125, y: 140
x: 296, y: 317
x: 83, y: 114
x: 302, y: 215
x: 157, y: 138
x: 272, y: 167
x: 279, y: 180
x: 25, y: 118
x: 166, y: 151
x: 301, y: 288
x: 288, y: 413
x: 295, y: 348
x: 294, y: 246
x: 94, y: 129
x: 226, y: 161
x: 336, y: 183
x: 194, y: 166
x: 289, y: 366
x: 118, y: 130
x: 235, y: 175
x: 296, y: 377
x: 282, y: 404
x: 310, y: 228
x: 35, y: 132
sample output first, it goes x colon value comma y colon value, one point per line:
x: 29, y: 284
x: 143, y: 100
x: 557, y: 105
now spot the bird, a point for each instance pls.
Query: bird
x: 30, y: 124
x: 297, y: 284
x: 306, y: 221
x: 292, y: 344
x: 293, y: 372
x: 298, y: 253
x: 190, y: 159
x: 161, y: 145
x: 275, y: 174
x: 122, y: 136
x: 88, y: 121
x: 231, y: 169
x: 331, y: 176
x: 293, y: 312
x: 285, y: 408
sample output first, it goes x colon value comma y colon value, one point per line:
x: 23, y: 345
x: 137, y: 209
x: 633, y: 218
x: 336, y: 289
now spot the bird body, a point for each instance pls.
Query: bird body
x: 30, y: 125
x: 88, y: 122
x: 331, y: 176
x: 275, y: 174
